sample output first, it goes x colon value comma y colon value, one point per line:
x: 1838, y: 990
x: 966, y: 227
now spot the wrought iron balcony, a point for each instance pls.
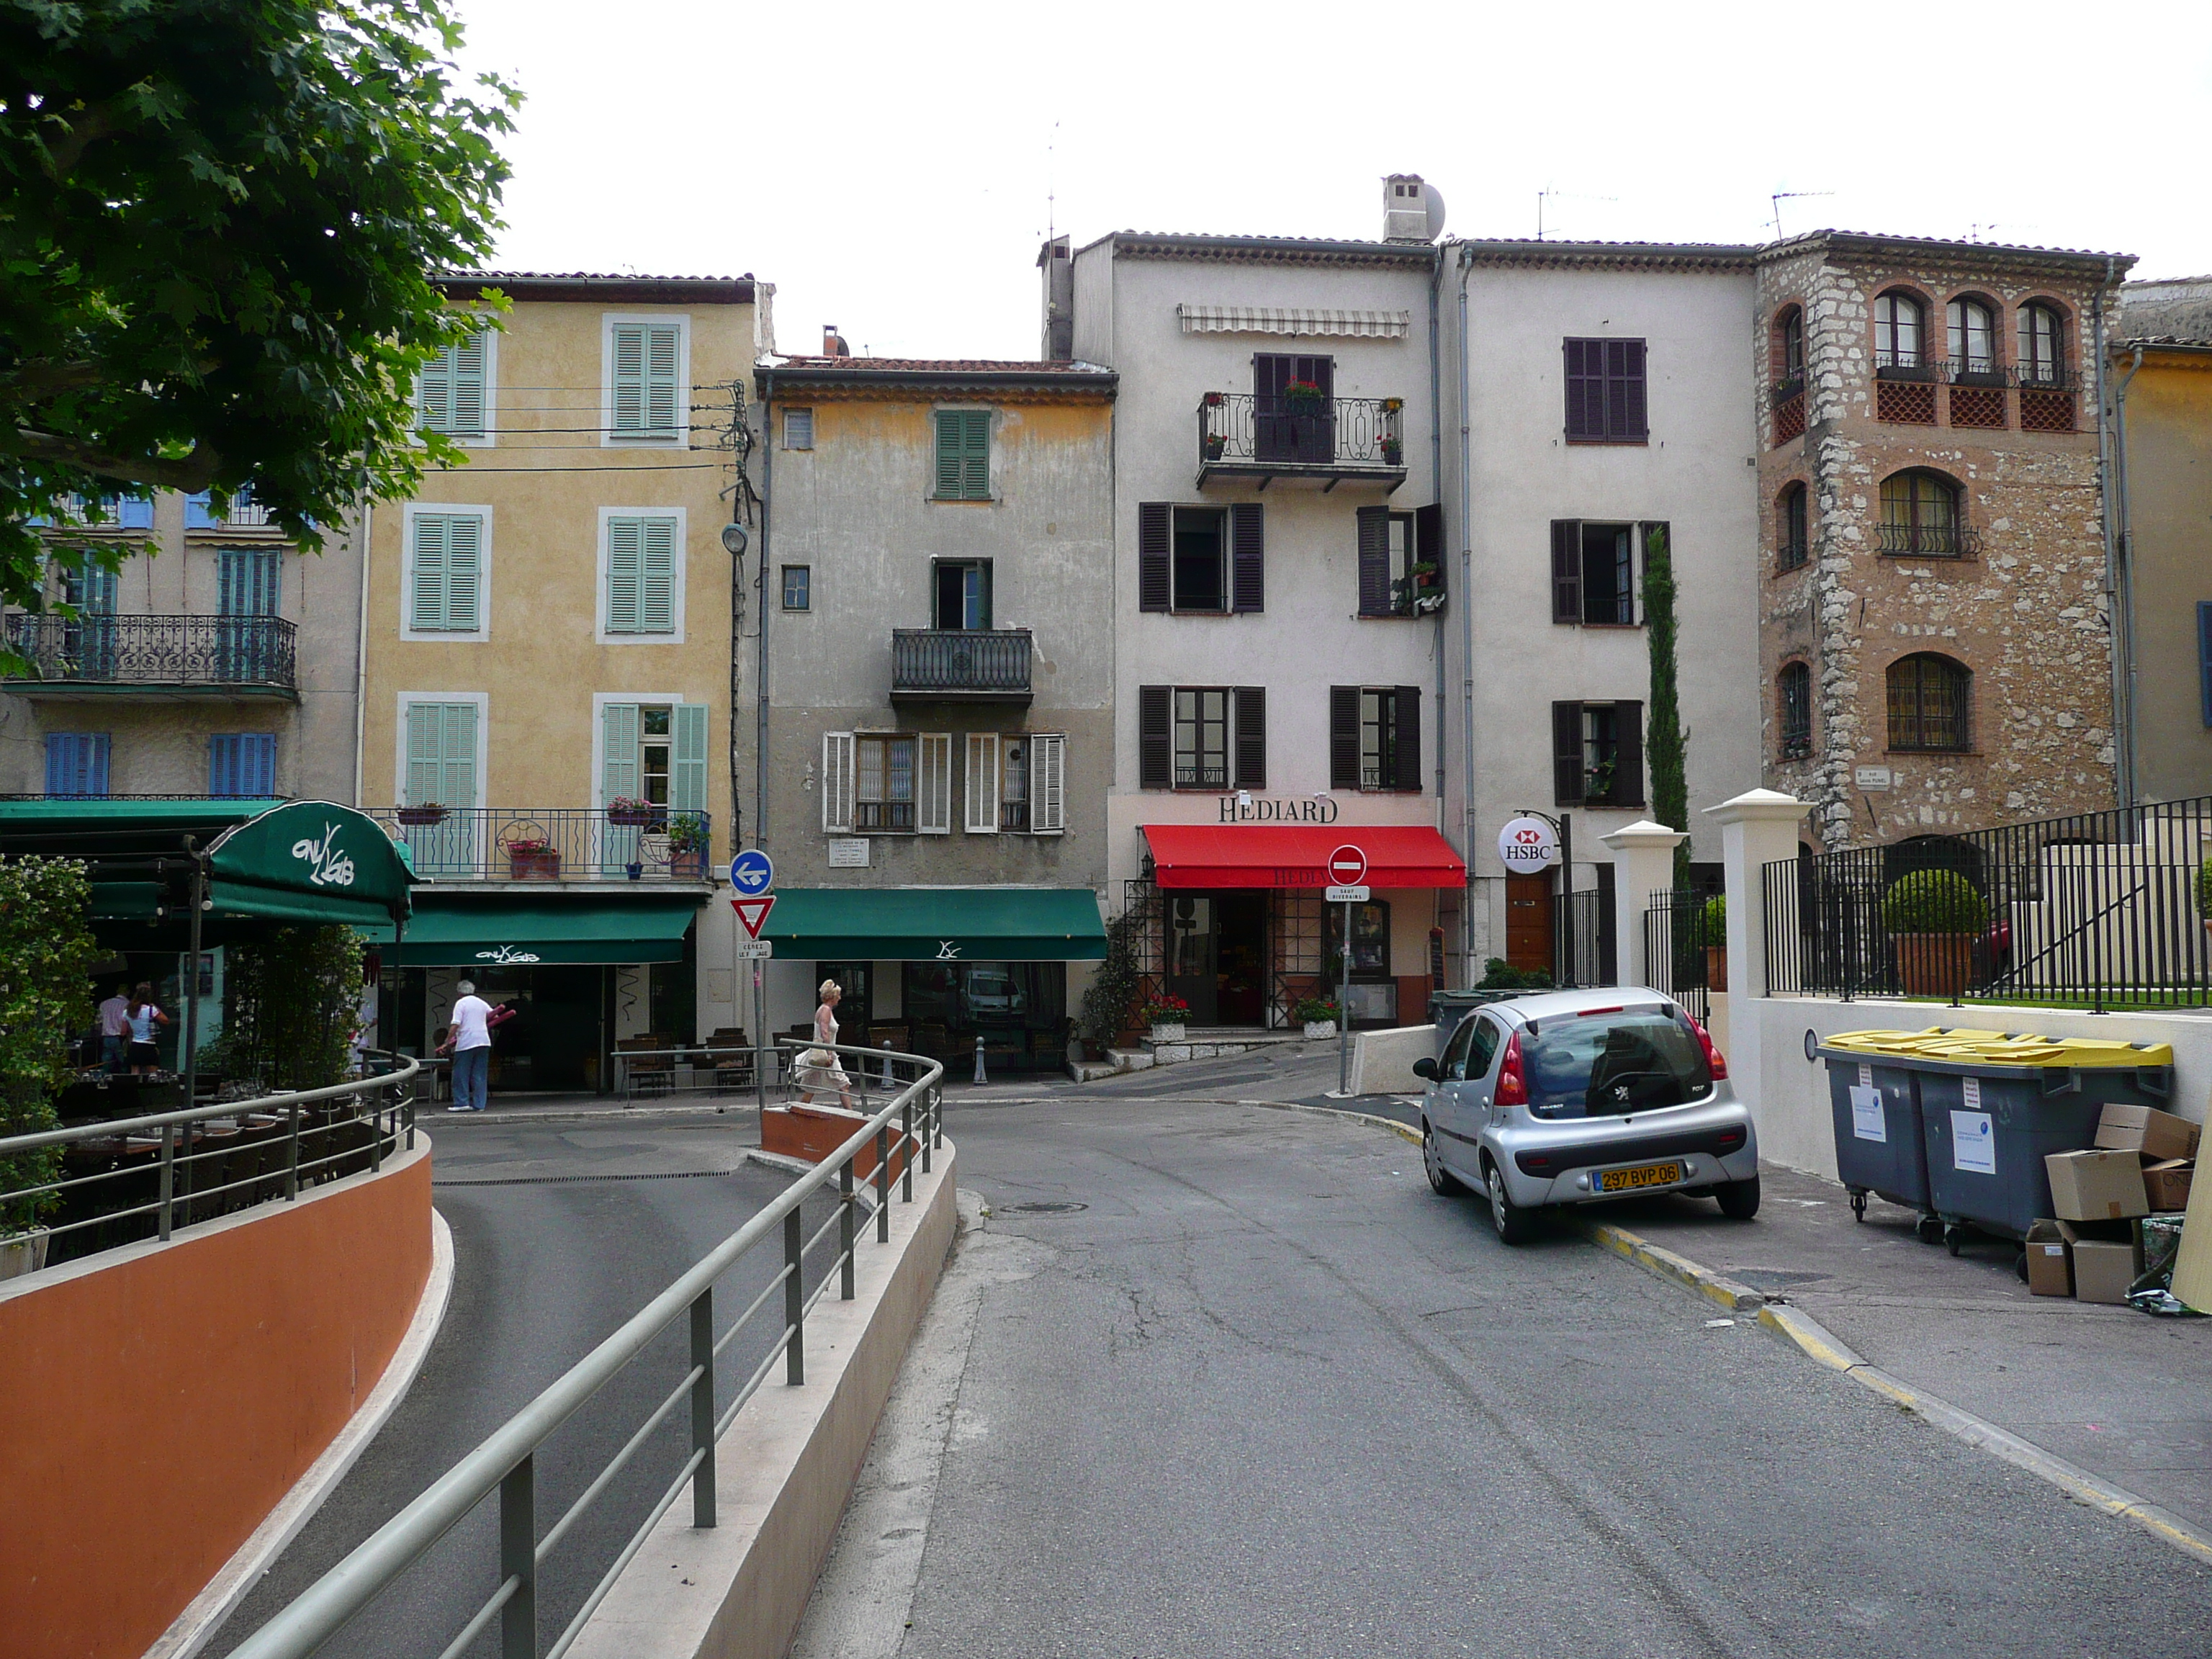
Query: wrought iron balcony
x: 1332, y: 440
x: 550, y: 843
x: 960, y: 665
x: 228, y: 654
x: 1927, y: 541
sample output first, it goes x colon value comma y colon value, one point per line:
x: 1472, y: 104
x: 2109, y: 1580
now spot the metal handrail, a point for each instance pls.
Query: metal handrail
x: 505, y: 1462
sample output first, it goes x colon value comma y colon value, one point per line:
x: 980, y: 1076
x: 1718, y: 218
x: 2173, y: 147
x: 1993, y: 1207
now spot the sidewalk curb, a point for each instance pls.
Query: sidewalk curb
x: 1634, y: 1247
x: 1403, y: 1131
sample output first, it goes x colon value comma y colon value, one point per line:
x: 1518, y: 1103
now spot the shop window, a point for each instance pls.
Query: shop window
x: 1017, y: 1009
x: 1597, y: 751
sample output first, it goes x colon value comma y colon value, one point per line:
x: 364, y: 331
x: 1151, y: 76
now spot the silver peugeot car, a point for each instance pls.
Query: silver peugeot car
x: 1576, y: 1096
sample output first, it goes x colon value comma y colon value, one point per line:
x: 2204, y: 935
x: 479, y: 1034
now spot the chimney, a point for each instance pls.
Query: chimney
x: 1413, y: 211
x: 1058, y: 300
x: 833, y: 343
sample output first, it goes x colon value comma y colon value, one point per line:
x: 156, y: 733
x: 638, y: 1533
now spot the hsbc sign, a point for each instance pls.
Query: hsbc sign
x: 1528, y: 847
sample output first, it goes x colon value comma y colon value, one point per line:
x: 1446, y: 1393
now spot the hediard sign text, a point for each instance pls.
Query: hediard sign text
x: 1300, y: 809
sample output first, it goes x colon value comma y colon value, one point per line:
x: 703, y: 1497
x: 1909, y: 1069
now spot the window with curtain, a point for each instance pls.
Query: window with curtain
x: 2041, y: 360
x: 1927, y: 702
x: 1920, y: 515
x: 1900, y: 324
x: 1973, y: 336
x: 883, y: 796
x: 1794, y: 709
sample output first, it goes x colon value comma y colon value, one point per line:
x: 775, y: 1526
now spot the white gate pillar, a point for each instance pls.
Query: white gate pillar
x: 1642, y: 864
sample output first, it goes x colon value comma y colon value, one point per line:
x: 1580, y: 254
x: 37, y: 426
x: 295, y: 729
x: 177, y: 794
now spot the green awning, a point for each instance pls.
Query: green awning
x: 937, y: 924
x: 311, y: 861
x: 486, y: 930
x: 140, y: 901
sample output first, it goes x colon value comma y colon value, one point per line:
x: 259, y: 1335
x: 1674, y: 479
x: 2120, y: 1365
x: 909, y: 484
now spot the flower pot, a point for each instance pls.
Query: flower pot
x: 1168, y: 1033
x: 542, y: 864
x: 1318, y: 1029
x: 690, y: 865
x: 416, y: 817
x: 635, y: 871
x: 1213, y: 448
x: 634, y: 820
x: 1935, y: 964
x: 23, y: 1253
x: 1716, y: 967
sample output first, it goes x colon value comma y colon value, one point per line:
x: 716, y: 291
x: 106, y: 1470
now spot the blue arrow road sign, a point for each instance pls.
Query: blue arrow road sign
x: 751, y: 872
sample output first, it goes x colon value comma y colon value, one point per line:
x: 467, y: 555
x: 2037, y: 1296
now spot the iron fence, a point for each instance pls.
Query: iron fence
x: 1578, y: 938
x: 552, y: 843
x: 1238, y: 428
x: 107, y: 650
x: 1685, y: 950
x: 2099, y: 910
x: 958, y: 661
x: 880, y: 1154
x: 115, y: 1182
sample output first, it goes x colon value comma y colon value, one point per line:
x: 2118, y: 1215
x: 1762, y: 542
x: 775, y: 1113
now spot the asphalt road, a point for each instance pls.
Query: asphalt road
x: 1262, y: 1393
x: 559, y: 1233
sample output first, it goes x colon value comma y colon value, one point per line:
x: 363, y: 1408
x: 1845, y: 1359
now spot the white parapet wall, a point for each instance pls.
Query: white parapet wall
x: 1383, y: 1061
x: 1788, y: 1096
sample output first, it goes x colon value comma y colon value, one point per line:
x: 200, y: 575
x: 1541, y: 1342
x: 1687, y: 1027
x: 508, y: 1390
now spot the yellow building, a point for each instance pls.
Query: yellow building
x: 545, y: 711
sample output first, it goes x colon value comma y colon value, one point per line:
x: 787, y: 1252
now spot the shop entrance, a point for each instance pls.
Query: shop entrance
x: 1217, y: 956
x: 553, y: 1042
x: 1529, y: 922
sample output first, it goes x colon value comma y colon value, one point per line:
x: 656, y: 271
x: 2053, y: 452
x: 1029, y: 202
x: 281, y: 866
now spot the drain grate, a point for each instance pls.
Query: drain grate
x: 1042, y: 1207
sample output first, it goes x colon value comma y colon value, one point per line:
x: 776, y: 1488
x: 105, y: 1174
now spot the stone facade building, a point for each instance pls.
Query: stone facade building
x: 1934, y: 627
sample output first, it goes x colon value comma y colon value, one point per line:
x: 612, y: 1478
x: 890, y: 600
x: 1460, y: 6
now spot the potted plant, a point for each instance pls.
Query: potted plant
x: 1317, y: 1015
x: 1167, y: 1017
x: 1933, y: 917
x: 533, y: 857
x: 1112, y: 995
x: 1212, y: 445
x: 1393, y: 452
x: 1711, y: 932
x: 422, y: 814
x: 1303, y: 398
x: 687, y: 846
x: 634, y: 814
x: 1215, y: 399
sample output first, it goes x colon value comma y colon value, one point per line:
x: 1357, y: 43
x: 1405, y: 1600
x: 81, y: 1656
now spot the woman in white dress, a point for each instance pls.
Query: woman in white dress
x: 817, y: 1067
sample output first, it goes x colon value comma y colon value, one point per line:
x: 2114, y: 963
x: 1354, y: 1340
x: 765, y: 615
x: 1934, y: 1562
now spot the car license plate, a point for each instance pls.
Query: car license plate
x: 1643, y: 1175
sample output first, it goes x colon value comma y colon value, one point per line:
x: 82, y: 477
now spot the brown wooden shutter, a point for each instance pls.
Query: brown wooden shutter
x: 1567, y: 754
x: 1248, y: 557
x: 1155, y: 746
x: 1429, y: 538
x: 1585, y: 390
x: 1625, y: 396
x: 1251, y: 737
x: 1627, y: 788
x: 1409, y: 737
x: 1344, y: 736
x: 1154, y: 537
x: 1566, y: 570
x: 1374, y: 561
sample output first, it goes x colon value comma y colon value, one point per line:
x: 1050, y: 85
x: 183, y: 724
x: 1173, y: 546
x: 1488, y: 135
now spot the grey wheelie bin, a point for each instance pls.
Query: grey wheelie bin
x: 1873, y: 1103
x: 1448, y: 1008
x: 1992, y: 1106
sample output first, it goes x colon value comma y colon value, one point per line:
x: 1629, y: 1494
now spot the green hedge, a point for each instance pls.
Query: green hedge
x: 1933, y: 902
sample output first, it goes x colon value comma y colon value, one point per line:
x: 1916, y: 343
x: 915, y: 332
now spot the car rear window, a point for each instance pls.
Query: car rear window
x: 1605, y: 1065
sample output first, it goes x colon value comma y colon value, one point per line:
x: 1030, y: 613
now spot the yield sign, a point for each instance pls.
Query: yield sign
x: 753, y: 913
x: 1347, y: 867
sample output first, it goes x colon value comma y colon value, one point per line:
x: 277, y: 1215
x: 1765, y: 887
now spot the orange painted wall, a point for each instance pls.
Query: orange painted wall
x: 153, y: 1410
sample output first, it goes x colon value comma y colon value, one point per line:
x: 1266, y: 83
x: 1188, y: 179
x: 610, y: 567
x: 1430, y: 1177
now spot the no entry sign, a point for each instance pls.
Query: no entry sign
x: 1347, y: 867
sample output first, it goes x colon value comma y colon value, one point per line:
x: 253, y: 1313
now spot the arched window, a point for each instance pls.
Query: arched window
x: 1789, y: 347
x: 1920, y: 515
x: 1973, y: 336
x: 1900, y: 329
x: 1790, y: 540
x: 1793, y: 700
x: 2042, y: 345
x: 1927, y: 697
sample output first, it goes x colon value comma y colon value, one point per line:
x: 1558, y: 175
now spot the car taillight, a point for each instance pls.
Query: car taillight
x: 1729, y: 1140
x: 1512, y: 1088
x: 1714, y: 1057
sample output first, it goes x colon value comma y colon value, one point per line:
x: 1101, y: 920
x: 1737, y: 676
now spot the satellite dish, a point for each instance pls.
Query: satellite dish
x: 1433, y: 199
x: 733, y: 540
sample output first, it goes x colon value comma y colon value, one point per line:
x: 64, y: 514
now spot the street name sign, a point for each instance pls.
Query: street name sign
x: 755, y: 950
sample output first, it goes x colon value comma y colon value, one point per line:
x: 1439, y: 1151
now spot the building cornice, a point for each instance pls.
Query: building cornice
x: 1268, y: 251
x: 1010, y: 384
x: 1516, y: 253
x: 1861, y: 247
x: 594, y: 288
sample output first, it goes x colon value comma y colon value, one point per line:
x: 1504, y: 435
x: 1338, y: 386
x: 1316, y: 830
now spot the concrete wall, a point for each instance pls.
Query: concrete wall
x: 1788, y: 1097
x: 2169, y: 509
x: 157, y: 1401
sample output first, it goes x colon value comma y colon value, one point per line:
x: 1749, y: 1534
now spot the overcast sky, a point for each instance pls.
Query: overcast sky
x: 888, y: 167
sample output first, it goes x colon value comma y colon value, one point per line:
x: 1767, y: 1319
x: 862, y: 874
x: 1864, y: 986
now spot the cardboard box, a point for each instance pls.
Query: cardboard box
x: 2157, y: 1135
x: 2049, y: 1261
x: 2103, y: 1270
x: 2094, y: 1185
x: 2166, y: 1185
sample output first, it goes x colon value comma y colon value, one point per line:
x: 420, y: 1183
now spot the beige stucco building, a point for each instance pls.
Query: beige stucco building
x: 546, y: 703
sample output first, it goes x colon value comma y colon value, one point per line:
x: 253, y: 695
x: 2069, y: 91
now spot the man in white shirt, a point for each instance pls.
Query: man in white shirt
x: 114, y: 1029
x: 470, y: 1041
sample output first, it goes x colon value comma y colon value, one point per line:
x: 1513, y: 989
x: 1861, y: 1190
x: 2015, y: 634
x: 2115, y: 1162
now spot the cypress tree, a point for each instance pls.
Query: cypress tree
x: 1665, y: 741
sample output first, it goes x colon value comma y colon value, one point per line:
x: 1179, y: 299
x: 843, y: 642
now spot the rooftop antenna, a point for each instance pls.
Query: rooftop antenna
x: 1781, y: 196
x: 1564, y: 196
x: 1051, y: 223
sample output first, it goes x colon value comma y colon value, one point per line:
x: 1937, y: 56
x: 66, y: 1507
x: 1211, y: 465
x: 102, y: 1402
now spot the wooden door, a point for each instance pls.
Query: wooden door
x: 1529, y: 922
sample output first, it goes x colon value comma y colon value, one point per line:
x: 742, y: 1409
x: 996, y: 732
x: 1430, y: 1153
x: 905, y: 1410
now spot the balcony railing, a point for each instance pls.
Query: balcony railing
x: 1242, y: 435
x: 961, y: 664
x: 169, y: 651
x: 550, y: 843
x: 1931, y: 541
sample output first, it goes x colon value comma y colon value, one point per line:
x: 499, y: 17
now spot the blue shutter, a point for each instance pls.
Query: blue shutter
x: 687, y: 779
x: 136, y: 512
x: 657, y: 576
x: 77, y: 763
x: 242, y: 763
x: 250, y: 581
x: 199, y: 511
x: 222, y: 764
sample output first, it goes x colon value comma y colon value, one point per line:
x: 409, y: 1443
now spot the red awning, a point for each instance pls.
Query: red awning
x: 1283, y: 855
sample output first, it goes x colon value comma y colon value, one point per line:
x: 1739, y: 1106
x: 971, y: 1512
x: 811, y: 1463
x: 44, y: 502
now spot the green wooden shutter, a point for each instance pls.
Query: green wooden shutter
x: 434, y: 392
x: 248, y: 579
x: 618, y: 766
x: 629, y: 348
x: 426, y: 604
x: 644, y: 379
x: 948, y: 453
x: 465, y: 377
x: 442, y: 753
x: 660, y: 413
x: 964, y: 454
x: 464, y: 573
x: 625, y: 563
x: 656, y: 609
x: 687, y: 776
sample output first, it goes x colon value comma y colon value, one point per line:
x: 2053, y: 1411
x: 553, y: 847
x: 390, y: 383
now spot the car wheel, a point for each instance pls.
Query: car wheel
x: 1515, y: 1224
x: 1439, y: 1177
x: 1739, y: 1198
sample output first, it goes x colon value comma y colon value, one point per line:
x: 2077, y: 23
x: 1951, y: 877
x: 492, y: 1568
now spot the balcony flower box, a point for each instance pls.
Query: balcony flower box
x: 1393, y: 452
x: 531, y: 859
x: 418, y: 818
x: 1303, y: 398
x: 633, y: 813
x: 1213, y: 444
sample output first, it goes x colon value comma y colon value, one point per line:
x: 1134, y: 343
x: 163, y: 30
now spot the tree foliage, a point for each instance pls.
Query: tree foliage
x: 1666, y: 743
x: 219, y: 224
x: 292, y: 1000
x: 1109, y: 1001
x: 47, y: 949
